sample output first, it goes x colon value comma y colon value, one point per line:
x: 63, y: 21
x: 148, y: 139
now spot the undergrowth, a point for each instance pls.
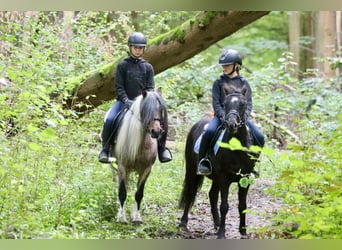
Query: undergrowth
x: 51, y: 185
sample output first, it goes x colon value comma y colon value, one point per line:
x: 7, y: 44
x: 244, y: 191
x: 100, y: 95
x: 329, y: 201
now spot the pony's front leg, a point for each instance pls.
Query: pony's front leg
x: 242, y: 207
x: 121, y: 216
x: 223, y: 210
x: 213, y: 197
x: 139, y: 194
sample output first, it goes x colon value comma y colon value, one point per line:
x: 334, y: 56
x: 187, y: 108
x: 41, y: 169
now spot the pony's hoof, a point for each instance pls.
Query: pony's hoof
x: 182, y: 224
x: 137, y: 222
x: 136, y: 218
x: 244, y: 236
x: 125, y: 222
x: 183, y: 228
x: 121, y: 216
x: 185, y: 232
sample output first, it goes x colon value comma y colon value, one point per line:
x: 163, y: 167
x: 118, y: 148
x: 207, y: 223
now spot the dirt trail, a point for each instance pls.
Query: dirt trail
x: 260, y: 204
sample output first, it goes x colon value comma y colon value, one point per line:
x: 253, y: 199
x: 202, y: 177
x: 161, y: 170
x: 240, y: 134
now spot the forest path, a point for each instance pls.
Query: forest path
x: 261, y: 207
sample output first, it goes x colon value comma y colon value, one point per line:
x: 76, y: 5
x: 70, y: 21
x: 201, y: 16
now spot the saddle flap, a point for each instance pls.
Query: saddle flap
x: 215, y: 143
x: 117, y: 124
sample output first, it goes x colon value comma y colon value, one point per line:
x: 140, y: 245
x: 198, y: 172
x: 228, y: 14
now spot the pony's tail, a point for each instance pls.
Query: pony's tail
x: 192, y: 182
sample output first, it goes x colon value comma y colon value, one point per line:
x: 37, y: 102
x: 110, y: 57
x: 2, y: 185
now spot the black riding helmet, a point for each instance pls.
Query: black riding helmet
x: 137, y: 39
x: 230, y: 57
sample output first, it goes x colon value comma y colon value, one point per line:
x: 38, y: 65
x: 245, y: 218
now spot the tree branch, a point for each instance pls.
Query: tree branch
x: 283, y: 128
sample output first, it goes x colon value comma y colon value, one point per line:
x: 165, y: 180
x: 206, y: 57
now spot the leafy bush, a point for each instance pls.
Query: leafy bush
x: 51, y: 185
x: 310, y: 184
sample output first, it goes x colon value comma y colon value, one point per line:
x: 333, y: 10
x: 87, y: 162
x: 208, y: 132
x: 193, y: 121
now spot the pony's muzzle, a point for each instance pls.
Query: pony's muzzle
x: 232, y: 126
x: 156, y: 133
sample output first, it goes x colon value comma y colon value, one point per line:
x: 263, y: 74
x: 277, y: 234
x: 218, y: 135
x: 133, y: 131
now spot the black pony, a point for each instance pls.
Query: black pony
x: 229, y: 165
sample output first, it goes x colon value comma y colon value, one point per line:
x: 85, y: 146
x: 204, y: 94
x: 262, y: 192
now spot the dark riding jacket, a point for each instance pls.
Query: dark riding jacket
x: 132, y: 76
x: 218, y: 94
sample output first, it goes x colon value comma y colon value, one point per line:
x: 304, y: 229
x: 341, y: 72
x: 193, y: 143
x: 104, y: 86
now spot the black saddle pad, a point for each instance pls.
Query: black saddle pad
x: 116, y: 125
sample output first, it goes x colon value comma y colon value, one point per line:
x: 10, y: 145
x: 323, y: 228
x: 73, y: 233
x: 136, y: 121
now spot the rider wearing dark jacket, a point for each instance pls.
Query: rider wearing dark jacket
x: 218, y: 94
x: 231, y: 62
x: 133, y: 75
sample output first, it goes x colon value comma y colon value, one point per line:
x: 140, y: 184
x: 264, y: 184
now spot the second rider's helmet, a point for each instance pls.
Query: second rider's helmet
x: 137, y: 39
x: 230, y: 57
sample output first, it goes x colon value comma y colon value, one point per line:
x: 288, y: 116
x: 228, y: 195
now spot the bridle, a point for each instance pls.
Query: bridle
x: 234, y: 113
x: 241, y: 122
x: 147, y: 128
x: 154, y: 133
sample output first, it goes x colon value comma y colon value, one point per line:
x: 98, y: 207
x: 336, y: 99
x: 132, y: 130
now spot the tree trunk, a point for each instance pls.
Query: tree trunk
x: 294, y: 35
x: 163, y: 52
x: 338, y: 47
x: 307, y: 52
x: 325, y: 41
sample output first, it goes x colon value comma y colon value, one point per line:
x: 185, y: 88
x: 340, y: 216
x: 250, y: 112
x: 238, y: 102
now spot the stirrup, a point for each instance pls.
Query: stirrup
x: 165, y: 158
x: 206, y: 162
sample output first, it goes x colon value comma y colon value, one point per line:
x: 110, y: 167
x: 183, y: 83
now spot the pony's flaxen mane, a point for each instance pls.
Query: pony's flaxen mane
x: 131, y: 128
x: 131, y: 135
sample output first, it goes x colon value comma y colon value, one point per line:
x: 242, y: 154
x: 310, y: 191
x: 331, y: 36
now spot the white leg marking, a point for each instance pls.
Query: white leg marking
x: 121, y: 217
x: 136, y: 217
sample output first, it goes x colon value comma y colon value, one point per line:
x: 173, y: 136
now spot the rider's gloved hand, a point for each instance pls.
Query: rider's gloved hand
x: 128, y: 103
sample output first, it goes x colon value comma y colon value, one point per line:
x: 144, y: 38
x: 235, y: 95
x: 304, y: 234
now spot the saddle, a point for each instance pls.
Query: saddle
x: 116, y: 125
x: 214, y: 144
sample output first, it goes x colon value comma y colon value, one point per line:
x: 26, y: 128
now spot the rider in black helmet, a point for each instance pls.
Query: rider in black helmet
x: 133, y: 74
x: 231, y: 63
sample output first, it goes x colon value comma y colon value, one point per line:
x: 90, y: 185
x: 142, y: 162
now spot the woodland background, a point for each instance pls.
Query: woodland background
x: 51, y: 185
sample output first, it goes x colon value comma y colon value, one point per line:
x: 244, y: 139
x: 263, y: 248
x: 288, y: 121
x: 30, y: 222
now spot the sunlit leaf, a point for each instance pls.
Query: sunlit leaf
x: 244, y: 182
x: 34, y: 146
x: 233, y: 144
x: 48, y: 134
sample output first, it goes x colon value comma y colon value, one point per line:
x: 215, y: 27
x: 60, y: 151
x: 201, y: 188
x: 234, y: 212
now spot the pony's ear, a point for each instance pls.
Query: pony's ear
x: 144, y: 93
x: 244, y: 90
x: 228, y: 89
x: 160, y: 91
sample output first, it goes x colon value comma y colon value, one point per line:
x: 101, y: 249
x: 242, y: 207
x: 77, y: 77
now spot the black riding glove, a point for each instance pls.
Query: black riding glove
x: 222, y: 117
x: 128, y: 103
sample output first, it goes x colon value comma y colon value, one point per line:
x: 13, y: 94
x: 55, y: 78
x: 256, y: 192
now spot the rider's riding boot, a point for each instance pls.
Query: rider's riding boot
x: 104, y: 156
x: 164, y: 155
x: 204, y: 165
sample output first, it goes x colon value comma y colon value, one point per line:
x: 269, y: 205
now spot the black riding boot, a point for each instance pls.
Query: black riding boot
x: 104, y: 156
x: 204, y: 165
x: 164, y: 154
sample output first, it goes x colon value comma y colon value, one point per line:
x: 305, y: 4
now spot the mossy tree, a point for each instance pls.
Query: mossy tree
x: 169, y: 49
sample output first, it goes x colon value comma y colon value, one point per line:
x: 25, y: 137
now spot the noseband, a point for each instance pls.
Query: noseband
x: 155, y: 133
x: 240, y: 123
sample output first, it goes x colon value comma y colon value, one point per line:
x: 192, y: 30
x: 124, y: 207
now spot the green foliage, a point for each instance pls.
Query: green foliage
x: 310, y: 185
x: 51, y: 185
x: 259, y: 43
x: 308, y: 174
